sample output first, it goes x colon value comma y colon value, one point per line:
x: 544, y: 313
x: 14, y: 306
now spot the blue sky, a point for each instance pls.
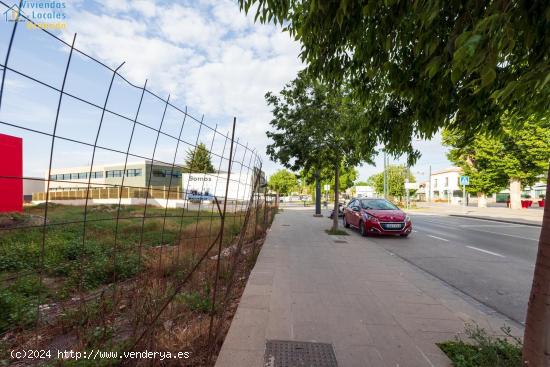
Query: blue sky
x: 204, y: 53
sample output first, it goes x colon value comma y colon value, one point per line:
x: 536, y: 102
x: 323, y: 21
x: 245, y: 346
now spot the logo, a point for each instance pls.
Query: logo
x: 48, y: 15
x: 14, y: 14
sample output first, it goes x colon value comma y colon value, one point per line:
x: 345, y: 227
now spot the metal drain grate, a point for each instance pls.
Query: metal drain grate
x: 283, y: 353
x: 340, y: 241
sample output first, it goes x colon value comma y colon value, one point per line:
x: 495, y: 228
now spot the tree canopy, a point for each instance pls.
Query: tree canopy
x: 347, y: 176
x: 418, y: 66
x: 314, y: 127
x: 397, y: 174
x: 283, y: 181
x: 521, y: 152
x: 198, y: 160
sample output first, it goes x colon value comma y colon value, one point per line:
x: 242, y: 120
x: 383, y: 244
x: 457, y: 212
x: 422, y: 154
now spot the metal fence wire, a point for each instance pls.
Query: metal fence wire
x: 129, y: 242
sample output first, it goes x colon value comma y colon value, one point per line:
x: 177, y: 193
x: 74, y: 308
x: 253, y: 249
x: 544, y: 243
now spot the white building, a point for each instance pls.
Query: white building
x: 364, y: 191
x: 207, y: 185
x: 445, y: 185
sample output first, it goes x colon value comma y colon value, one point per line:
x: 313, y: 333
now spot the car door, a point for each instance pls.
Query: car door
x: 348, y: 213
x: 353, y: 214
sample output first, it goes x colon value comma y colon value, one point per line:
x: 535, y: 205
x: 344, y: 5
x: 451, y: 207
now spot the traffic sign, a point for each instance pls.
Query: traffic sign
x: 464, y: 180
x: 411, y: 185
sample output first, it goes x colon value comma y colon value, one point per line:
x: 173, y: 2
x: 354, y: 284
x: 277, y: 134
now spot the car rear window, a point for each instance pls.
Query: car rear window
x: 378, y: 204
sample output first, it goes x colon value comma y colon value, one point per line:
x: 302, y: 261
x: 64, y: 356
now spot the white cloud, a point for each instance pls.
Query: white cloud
x: 188, y: 26
x: 206, y: 53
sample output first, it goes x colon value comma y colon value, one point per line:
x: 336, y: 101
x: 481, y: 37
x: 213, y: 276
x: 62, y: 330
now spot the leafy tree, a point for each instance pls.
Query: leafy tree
x: 361, y: 183
x: 418, y: 66
x: 283, y: 181
x: 198, y: 160
x: 480, y: 160
x: 397, y: 175
x: 314, y: 128
x: 519, y: 156
x: 326, y: 176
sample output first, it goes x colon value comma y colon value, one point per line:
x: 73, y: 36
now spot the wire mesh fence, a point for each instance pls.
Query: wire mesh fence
x: 143, y: 220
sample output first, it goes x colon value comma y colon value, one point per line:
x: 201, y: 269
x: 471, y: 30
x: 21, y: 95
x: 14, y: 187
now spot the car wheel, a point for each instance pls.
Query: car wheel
x: 345, y: 222
x: 404, y: 234
x: 362, y: 229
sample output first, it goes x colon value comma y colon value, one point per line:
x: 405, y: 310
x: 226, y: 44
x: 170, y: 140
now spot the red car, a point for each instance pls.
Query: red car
x: 376, y: 216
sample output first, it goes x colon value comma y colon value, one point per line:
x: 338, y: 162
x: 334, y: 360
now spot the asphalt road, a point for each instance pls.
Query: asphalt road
x: 490, y: 261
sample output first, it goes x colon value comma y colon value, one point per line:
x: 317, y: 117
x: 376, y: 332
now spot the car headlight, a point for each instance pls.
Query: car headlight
x: 371, y: 218
x: 407, y: 219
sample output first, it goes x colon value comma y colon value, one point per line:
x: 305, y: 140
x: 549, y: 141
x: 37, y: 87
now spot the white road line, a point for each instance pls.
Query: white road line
x: 492, y: 225
x: 507, y: 235
x: 485, y: 251
x: 437, y: 238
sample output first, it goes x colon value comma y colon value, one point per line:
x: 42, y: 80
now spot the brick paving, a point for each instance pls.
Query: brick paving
x: 374, y: 308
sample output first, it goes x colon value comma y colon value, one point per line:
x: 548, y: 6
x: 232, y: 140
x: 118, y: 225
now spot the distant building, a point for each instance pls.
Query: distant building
x: 204, y: 186
x: 30, y: 186
x: 445, y: 185
x: 139, y: 175
x: 192, y: 186
x: 364, y: 191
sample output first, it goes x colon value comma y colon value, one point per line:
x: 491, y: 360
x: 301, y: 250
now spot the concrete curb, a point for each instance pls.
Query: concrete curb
x: 497, y: 220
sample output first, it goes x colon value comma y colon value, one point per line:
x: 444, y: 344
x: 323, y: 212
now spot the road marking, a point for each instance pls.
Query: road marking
x: 485, y: 251
x: 437, y: 238
x: 507, y: 235
x: 492, y: 225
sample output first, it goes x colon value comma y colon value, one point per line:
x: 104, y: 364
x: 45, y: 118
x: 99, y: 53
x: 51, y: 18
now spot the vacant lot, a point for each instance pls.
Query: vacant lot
x: 72, y: 254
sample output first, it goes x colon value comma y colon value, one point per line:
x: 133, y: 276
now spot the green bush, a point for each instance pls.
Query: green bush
x: 196, y: 301
x: 19, y: 302
x: 483, y: 350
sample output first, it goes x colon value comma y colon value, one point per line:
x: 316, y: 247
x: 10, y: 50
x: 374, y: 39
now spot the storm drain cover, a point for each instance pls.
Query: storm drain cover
x: 283, y: 353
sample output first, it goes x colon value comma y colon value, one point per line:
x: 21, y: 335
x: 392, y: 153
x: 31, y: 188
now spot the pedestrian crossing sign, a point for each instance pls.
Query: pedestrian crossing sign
x: 464, y: 180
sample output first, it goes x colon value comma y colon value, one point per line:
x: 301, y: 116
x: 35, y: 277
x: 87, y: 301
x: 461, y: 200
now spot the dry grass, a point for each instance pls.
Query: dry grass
x: 114, y: 316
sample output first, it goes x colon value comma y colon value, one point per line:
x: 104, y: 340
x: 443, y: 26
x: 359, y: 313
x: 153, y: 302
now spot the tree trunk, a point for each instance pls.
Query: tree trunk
x: 481, y: 200
x: 336, y: 194
x: 536, y: 344
x: 317, y: 193
x: 515, y: 194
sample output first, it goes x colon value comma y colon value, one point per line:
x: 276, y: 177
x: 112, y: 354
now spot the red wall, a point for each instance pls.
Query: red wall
x: 11, y: 165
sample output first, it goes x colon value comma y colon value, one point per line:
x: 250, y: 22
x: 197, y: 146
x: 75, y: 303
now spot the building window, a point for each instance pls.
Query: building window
x: 53, y: 177
x: 74, y: 176
x: 159, y: 173
x: 83, y: 175
x: 97, y: 174
x: 172, y: 173
x: 446, y: 181
x: 133, y: 172
x: 435, y: 182
x: 114, y: 173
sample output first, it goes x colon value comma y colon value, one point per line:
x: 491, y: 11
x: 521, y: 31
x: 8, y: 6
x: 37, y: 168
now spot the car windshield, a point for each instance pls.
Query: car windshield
x: 378, y: 204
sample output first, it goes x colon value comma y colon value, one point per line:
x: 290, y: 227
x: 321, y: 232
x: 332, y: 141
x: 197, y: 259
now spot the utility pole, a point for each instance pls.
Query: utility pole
x: 385, y: 176
x: 430, y: 184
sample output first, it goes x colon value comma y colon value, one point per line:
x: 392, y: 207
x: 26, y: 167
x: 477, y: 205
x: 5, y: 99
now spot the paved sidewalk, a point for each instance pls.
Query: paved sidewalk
x: 374, y: 308
x: 518, y: 216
